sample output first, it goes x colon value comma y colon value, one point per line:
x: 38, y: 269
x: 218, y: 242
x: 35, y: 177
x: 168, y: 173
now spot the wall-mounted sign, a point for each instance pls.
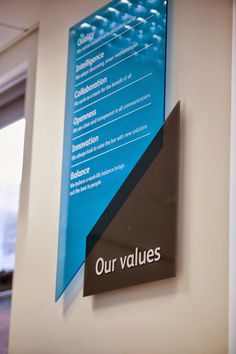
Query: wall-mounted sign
x: 111, y: 181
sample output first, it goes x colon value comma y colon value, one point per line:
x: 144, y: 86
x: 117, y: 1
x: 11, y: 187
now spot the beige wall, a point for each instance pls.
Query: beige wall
x: 186, y: 315
x: 232, y: 224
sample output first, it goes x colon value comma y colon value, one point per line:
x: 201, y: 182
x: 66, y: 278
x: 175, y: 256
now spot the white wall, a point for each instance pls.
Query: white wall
x: 186, y: 315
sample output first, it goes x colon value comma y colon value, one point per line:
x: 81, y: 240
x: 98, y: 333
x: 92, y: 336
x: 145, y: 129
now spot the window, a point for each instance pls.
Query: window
x: 12, y: 127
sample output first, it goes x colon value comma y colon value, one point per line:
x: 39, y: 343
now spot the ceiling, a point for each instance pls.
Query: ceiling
x: 16, y: 18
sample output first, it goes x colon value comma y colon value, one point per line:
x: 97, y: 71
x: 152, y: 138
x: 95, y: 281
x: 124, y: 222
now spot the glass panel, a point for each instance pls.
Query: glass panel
x: 115, y: 107
x: 11, y: 161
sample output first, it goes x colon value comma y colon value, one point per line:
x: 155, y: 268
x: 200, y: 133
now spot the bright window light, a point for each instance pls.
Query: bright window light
x: 11, y: 161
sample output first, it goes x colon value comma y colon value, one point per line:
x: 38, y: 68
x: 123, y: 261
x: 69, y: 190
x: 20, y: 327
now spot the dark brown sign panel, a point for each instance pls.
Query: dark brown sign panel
x: 134, y: 241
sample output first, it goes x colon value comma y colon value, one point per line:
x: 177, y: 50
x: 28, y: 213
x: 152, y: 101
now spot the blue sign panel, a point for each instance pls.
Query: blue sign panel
x: 114, y: 109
